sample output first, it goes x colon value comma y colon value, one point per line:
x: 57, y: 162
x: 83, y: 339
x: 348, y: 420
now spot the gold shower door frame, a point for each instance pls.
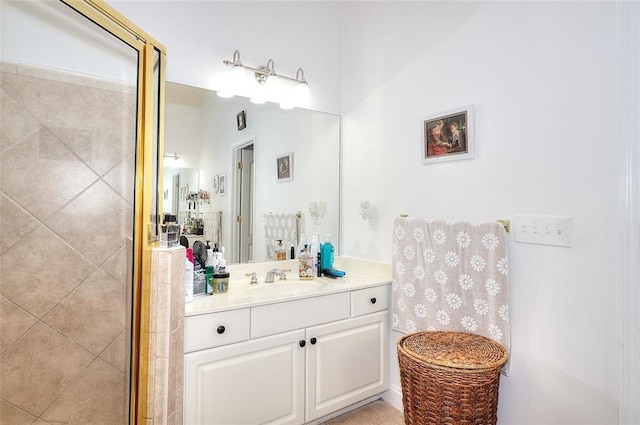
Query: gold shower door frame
x: 147, y: 201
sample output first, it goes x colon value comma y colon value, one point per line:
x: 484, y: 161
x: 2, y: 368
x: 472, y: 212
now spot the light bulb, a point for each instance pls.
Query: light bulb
x: 302, y: 94
x: 272, y: 88
x: 258, y: 96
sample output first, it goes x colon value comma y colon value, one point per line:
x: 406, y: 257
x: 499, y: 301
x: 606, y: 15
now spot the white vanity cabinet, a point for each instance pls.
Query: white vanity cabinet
x: 346, y: 363
x: 303, y: 359
x: 255, y: 382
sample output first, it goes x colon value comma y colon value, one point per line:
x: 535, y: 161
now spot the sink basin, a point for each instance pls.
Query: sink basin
x: 285, y: 287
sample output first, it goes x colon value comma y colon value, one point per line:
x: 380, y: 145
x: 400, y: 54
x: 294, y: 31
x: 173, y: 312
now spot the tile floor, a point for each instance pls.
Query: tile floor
x: 377, y: 413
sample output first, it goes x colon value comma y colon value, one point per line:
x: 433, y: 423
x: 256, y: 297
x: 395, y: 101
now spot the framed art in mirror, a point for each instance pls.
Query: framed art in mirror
x: 241, y: 120
x: 448, y: 136
x: 284, y: 165
x: 222, y: 184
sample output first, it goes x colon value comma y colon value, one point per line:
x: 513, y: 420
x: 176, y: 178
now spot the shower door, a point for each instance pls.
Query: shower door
x: 73, y: 153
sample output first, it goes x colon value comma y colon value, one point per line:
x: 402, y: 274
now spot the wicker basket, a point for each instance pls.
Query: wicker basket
x: 450, y: 378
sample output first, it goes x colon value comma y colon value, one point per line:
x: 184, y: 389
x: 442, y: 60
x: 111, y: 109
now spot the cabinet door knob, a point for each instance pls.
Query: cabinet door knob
x: 313, y: 341
x: 302, y: 343
x: 373, y: 300
x: 221, y: 329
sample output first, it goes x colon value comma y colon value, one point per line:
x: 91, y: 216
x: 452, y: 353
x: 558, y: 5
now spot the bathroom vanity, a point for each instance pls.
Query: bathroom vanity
x: 287, y: 352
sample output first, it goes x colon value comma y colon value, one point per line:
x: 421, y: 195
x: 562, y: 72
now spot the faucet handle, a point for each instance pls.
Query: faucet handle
x: 254, y: 277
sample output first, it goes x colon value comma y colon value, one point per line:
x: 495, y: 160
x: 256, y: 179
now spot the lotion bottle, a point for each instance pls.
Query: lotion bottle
x: 188, y: 286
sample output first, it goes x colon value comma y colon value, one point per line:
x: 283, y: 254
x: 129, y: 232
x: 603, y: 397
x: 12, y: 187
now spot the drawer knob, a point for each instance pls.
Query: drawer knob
x: 221, y: 329
x: 302, y: 343
x: 313, y: 341
x: 373, y: 300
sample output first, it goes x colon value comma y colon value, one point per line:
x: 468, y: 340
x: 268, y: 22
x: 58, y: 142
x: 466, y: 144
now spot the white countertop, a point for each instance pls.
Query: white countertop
x: 360, y: 274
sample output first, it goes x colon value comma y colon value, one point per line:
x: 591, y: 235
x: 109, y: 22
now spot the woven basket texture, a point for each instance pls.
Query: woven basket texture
x: 450, y: 378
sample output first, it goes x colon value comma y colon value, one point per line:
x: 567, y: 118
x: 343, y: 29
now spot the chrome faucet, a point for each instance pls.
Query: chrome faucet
x: 275, y: 272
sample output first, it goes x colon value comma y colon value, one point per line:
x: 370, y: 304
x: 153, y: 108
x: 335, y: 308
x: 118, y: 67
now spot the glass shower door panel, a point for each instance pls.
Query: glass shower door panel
x: 67, y: 173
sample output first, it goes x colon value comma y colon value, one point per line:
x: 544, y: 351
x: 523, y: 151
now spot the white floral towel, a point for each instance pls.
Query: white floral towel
x: 451, y: 276
x: 280, y: 226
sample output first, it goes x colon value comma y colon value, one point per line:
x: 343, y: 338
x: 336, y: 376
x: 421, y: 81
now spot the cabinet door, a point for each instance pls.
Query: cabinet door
x: 346, y: 363
x: 255, y: 382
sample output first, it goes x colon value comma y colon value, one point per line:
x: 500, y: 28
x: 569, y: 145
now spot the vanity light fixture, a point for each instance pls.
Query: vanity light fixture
x: 266, y: 85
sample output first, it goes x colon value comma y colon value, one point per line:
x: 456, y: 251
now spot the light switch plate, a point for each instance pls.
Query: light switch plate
x: 543, y: 229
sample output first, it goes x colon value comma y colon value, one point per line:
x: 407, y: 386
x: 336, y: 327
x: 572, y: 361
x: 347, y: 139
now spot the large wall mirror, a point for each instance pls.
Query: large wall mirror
x: 287, y: 186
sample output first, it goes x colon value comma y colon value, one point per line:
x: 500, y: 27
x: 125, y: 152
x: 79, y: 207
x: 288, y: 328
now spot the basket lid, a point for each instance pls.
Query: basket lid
x: 454, y: 349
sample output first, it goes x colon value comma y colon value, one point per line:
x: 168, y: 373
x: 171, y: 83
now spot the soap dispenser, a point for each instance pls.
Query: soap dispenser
x: 281, y: 252
x: 305, y: 264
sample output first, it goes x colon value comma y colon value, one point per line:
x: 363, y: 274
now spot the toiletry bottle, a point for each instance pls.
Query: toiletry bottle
x: 220, y: 280
x: 314, y: 248
x: 327, y: 253
x: 305, y: 265
x: 209, y: 280
x: 188, y: 286
x: 281, y: 253
x: 210, y: 258
x: 303, y: 242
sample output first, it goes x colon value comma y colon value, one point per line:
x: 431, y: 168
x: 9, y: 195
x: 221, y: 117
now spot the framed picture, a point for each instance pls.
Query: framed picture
x: 448, y: 136
x: 222, y: 184
x: 241, y: 120
x: 284, y: 166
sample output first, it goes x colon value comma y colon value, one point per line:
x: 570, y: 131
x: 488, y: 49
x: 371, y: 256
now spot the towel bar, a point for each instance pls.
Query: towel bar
x: 506, y: 223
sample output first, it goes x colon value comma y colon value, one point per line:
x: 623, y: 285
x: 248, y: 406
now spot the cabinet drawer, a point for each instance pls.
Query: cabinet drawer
x: 287, y: 316
x: 370, y: 300
x: 215, y: 329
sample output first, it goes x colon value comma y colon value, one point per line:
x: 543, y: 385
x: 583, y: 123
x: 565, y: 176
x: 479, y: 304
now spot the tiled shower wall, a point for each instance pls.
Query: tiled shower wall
x: 67, y: 147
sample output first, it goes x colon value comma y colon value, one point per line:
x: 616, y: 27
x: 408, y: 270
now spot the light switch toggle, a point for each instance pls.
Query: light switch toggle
x: 543, y: 229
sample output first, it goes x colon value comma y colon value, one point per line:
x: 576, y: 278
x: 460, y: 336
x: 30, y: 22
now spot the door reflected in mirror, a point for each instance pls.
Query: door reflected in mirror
x: 250, y: 205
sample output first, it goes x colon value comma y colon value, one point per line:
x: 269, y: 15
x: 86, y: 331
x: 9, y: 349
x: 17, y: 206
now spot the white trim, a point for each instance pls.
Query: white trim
x: 236, y: 148
x: 629, y: 212
x: 394, y: 397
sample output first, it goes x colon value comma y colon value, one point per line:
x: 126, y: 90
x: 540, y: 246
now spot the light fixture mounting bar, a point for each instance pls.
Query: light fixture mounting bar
x: 264, y: 71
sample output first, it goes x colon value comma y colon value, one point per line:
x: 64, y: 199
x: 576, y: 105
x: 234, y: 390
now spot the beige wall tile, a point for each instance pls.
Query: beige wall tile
x: 93, y: 315
x: 159, y: 395
x: 115, y: 353
x: 15, y: 223
x: 96, y: 398
x: 163, y: 332
x: 95, y: 223
x: 151, y: 381
x: 42, y: 98
x: 99, y: 131
x: 179, y: 406
x: 22, y: 123
x: 11, y: 415
x: 121, y: 178
x: 116, y: 266
x: 14, y: 322
x: 178, y: 273
x: 53, y: 271
x: 42, y: 158
x: 8, y: 67
x: 37, y: 368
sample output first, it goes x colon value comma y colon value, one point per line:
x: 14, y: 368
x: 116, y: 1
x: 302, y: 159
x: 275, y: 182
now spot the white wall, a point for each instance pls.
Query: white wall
x: 50, y: 34
x: 199, y: 35
x: 543, y: 80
